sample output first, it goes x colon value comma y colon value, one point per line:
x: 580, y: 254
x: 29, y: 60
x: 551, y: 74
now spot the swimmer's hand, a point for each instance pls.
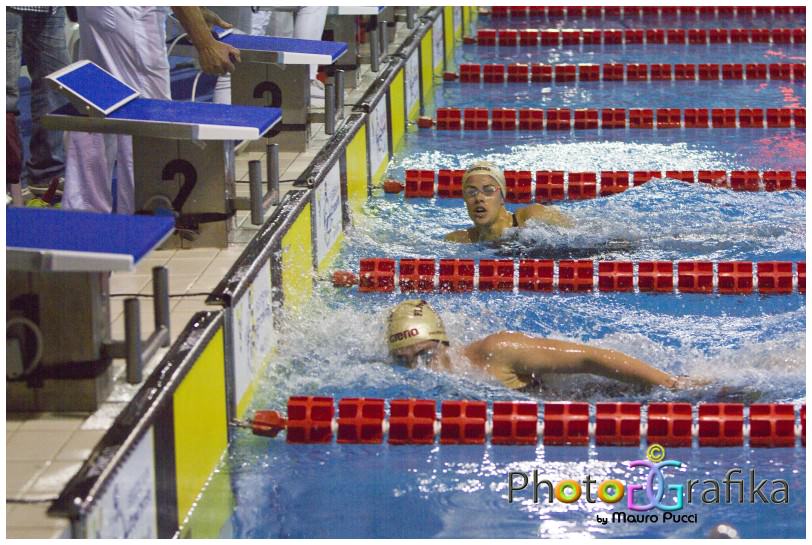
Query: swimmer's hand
x: 688, y: 383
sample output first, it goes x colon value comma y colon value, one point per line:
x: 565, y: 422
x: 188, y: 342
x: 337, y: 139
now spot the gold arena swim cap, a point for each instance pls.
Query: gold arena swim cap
x: 411, y: 322
x: 486, y: 168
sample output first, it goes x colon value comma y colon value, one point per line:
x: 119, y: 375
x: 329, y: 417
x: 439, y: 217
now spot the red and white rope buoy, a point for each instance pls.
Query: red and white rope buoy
x: 415, y: 421
x: 425, y: 275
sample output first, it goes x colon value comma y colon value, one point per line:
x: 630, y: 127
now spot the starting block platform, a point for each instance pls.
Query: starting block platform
x: 274, y: 72
x: 58, y: 330
x: 183, y: 152
x: 45, y: 240
x: 270, y: 49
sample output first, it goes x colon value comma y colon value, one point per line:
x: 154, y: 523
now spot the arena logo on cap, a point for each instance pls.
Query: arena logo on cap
x: 405, y: 334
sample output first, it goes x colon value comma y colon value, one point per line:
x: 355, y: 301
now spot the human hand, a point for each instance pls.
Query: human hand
x: 686, y: 383
x: 212, y: 19
x: 218, y: 58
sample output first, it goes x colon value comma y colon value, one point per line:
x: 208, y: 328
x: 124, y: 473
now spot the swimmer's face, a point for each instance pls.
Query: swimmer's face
x: 483, y: 199
x: 423, y: 354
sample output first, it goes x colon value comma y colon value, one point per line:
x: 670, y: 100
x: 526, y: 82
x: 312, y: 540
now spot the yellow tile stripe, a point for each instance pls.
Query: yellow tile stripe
x: 426, y: 68
x: 199, y: 407
x: 397, y: 104
x: 297, y: 261
x: 357, y: 172
x: 448, y: 33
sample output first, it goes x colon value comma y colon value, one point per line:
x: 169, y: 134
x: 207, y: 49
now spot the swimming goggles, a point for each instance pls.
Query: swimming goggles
x: 488, y: 191
x: 421, y: 359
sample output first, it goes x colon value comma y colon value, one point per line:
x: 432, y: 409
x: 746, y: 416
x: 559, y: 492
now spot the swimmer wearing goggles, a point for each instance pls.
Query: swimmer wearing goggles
x: 484, y: 189
x: 417, y: 338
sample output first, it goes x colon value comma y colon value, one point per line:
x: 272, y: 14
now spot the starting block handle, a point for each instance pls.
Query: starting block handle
x: 258, y: 202
x: 132, y: 348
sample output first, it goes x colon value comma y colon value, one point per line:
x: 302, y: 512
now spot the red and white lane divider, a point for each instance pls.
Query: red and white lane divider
x: 553, y: 37
x: 549, y: 185
x: 569, y: 73
x: 598, y: 12
x: 565, y: 119
x: 463, y: 422
x: 426, y: 275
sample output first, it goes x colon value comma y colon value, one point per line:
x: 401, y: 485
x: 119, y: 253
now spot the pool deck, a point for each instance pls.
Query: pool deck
x: 45, y: 450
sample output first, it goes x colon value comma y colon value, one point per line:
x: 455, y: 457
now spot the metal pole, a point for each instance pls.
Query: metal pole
x: 338, y: 78
x: 132, y: 340
x: 384, y: 42
x: 255, y: 191
x: 411, y: 16
x: 272, y: 159
x: 374, y: 44
x: 329, y: 109
x: 160, y: 294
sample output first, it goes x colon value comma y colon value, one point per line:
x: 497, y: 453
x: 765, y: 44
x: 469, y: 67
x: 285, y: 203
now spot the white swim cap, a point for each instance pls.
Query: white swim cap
x: 486, y: 168
x: 411, y: 322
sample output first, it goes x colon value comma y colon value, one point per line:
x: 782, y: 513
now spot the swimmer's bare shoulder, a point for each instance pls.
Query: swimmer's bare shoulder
x: 493, y: 355
x: 545, y: 213
x: 462, y: 236
x: 491, y: 349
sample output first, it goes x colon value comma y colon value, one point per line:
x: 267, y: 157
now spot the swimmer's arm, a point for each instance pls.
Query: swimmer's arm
x: 547, y: 214
x: 527, y: 355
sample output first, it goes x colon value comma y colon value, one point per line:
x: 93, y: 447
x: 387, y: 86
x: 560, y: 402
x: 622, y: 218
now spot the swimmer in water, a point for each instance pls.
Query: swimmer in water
x: 417, y: 338
x: 484, y: 190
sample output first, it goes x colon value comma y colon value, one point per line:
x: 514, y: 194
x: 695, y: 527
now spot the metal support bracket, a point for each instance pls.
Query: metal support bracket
x: 133, y: 348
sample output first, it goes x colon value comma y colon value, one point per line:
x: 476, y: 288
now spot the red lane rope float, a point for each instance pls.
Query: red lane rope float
x: 510, y: 37
x: 566, y: 73
x: 466, y: 422
x: 703, y: 12
x: 536, y: 119
x: 425, y: 275
x: 549, y: 186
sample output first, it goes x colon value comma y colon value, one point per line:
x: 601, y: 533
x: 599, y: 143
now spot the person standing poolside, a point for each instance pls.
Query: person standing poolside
x: 417, y: 338
x: 36, y: 34
x: 130, y: 43
x: 484, y: 190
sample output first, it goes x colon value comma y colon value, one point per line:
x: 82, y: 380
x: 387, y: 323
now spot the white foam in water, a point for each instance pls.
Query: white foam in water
x: 751, y: 356
x: 668, y: 219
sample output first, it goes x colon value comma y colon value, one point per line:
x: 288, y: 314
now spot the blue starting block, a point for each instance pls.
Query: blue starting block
x: 183, y: 152
x: 48, y: 240
x: 274, y: 72
x: 58, y: 266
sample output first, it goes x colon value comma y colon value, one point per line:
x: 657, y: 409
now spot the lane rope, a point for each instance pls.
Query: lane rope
x: 556, y: 185
x: 428, y: 274
x: 566, y: 119
x: 625, y: 73
x: 312, y: 419
x: 589, y: 12
x: 554, y: 37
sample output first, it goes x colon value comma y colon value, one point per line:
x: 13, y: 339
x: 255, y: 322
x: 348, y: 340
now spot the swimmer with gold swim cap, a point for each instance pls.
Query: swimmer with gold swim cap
x: 484, y: 189
x: 417, y: 338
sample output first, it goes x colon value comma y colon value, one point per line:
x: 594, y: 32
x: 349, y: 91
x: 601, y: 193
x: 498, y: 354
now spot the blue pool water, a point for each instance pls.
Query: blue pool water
x: 636, y: 53
x: 750, y: 348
